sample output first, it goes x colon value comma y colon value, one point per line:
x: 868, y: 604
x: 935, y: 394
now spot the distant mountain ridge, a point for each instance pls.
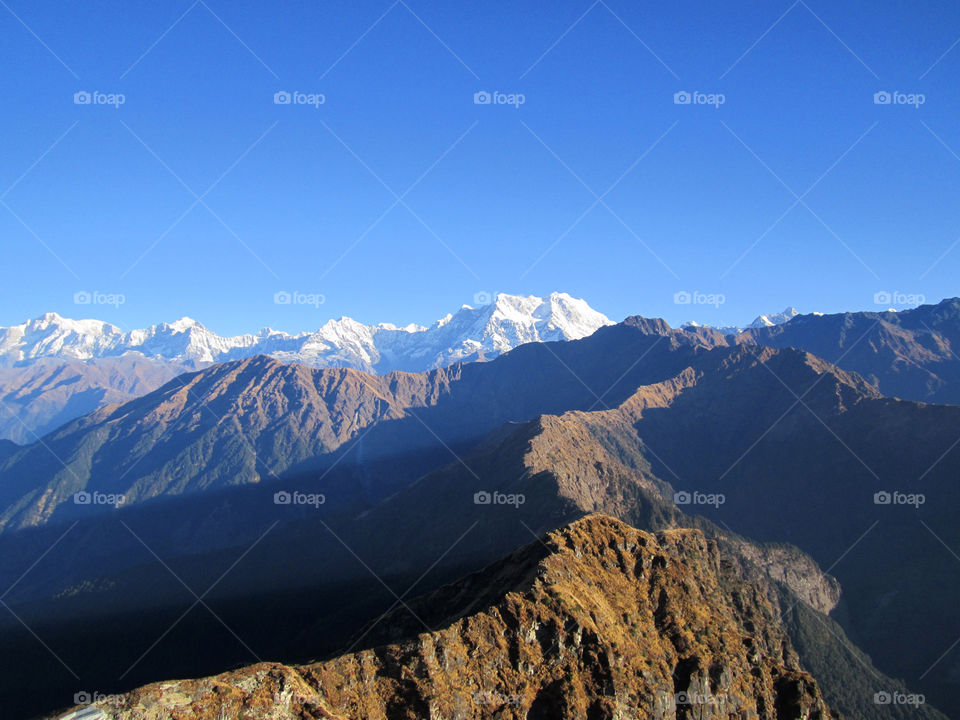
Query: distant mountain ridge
x: 911, y: 354
x: 48, y: 393
x: 761, y: 321
x: 53, y: 370
x: 469, y: 334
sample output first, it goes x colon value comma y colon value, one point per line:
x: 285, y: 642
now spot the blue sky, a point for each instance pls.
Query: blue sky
x: 399, y: 199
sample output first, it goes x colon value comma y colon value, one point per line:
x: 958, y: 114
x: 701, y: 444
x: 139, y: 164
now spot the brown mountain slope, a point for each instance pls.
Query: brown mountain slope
x: 233, y: 424
x: 913, y: 354
x: 597, y: 620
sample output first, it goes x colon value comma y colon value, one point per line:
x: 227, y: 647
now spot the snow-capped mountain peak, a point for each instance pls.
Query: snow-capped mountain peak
x: 185, y: 323
x: 470, y: 333
x: 775, y: 318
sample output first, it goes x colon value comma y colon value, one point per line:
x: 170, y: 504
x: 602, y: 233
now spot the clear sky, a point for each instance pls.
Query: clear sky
x: 399, y: 198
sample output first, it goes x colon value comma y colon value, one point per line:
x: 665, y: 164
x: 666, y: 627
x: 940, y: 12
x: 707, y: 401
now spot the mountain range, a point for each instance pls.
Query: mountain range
x: 326, y: 484
x: 469, y: 334
x: 54, y: 369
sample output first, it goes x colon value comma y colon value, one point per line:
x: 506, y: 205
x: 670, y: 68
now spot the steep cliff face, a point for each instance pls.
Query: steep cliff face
x: 597, y: 620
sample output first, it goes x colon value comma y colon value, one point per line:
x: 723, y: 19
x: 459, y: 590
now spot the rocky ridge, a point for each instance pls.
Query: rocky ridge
x: 596, y: 620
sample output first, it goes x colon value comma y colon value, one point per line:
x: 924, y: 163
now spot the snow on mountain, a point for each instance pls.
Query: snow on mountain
x: 469, y: 334
x: 759, y: 322
x: 774, y: 318
x: 725, y: 329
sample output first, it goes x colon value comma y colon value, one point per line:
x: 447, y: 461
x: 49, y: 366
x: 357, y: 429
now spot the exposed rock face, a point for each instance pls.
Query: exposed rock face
x: 598, y: 621
x: 795, y: 569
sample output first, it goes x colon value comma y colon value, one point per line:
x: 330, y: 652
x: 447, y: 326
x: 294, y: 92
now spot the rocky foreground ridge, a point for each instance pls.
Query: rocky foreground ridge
x: 597, y: 620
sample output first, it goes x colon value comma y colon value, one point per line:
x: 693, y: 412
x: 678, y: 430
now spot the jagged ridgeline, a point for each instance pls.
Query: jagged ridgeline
x: 596, y: 620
